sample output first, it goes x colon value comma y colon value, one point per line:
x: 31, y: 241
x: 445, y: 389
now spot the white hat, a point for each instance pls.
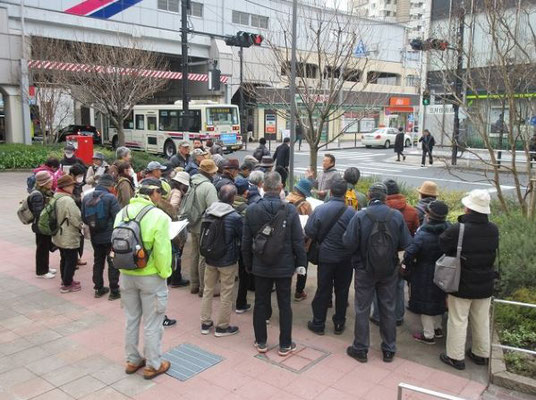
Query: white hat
x: 478, y: 200
x: 182, y: 177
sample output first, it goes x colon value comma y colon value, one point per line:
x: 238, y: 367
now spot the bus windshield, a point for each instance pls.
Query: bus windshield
x: 222, y: 116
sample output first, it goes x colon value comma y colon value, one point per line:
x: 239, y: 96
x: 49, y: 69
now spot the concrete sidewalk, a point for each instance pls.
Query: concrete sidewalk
x: 55, y: 347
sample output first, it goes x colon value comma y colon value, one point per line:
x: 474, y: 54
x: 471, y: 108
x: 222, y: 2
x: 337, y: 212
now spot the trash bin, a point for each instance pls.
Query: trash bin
x: 83, y: 147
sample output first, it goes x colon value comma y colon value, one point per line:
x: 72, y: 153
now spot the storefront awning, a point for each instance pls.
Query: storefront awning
x: 399, y: 109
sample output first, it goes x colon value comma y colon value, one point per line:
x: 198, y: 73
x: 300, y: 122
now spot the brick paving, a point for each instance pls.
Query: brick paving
x: 55, y: 347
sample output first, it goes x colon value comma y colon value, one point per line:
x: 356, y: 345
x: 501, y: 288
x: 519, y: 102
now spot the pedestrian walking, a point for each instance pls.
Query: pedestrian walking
x: 144, y: 292
x: 67, y: 237
x: 323, y: 183
x: 282, y: 154
x: 471, y: 303
x: 124, y: 187
x: 326, y: 226
x: 374, y: 236
x: 221, y: 232
x: 261, y: 151
x: 426, y: 299
x: 428, y: 143
x: 428, y: 192
x: 97, y: 169
x: 399, y: 144
x: 37, y: 200
x: 274, y: 227
x: 99, y: 210
x: 199, y: 197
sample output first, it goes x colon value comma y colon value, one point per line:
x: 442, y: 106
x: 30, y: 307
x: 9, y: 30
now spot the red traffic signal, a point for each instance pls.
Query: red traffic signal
x: 257, y: 39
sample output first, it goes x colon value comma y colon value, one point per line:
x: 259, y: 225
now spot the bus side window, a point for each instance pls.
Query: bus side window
x: 128, y: 122
x: 196, y: 121
x: 140, y: 122
x: 151, y: 123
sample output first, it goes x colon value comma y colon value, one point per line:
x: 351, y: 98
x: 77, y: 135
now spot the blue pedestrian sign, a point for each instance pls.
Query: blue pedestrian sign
x: 360, y: 50
x: 533, y: 121
x: 410, y: 117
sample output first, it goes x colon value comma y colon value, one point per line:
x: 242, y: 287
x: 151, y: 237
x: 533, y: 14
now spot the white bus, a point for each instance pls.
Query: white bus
x: 159, y: 128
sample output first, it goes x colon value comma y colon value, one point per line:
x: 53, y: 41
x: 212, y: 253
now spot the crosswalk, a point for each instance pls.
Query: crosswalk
x: 376, y: 164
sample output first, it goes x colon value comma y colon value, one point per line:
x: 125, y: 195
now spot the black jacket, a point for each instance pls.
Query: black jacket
x: 399, y: 142
x: 420, y: 258
x: 331, y: 249
x: 428, y: 142
x: 253, y: 195
x: 293, y: 253
x: 282, y: 155
x: 179, y: 161
x: 225, y: 179
x: 111, y: 208
x: 479, y: 248
x: 232, y: 222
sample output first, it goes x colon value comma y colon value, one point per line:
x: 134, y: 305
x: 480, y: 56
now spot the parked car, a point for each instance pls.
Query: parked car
x: 384, y: 137
x: 83, y: 130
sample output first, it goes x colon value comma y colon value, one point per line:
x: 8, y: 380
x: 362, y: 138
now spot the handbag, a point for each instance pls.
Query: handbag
x: 314, y: 248
x: 448, y: 269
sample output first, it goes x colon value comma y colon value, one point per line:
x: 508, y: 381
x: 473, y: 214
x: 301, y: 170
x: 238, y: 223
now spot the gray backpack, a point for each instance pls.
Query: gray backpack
x: 188, y: 209
x: 127, y: 243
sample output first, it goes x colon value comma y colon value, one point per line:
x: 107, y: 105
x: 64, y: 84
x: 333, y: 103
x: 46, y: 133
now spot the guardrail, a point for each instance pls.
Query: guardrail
x: 502, y: 346
x: 439, y: 395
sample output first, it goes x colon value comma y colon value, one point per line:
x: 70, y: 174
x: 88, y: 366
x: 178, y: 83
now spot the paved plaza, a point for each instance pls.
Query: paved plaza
x: 55, y: 347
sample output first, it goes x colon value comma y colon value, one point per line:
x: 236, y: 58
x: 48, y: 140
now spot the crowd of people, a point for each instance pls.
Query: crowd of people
x: 243, y: 224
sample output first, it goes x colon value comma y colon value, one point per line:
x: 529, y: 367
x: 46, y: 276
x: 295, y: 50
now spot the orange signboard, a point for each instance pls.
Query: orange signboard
x: 399, y: 101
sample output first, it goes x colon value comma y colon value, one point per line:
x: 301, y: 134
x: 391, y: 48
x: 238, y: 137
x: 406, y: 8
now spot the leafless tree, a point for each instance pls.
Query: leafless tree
x: 497, y: 97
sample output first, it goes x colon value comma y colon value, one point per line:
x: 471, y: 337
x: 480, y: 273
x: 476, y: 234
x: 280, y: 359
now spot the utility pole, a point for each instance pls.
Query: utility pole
x: 458, y: 84
x: 243, y: 127
x: 24, y: 82
x: 292, y: 92
x: 185, y: 5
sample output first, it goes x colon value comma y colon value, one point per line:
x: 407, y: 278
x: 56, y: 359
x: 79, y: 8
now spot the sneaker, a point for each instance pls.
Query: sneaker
x: 285, y: 351
x: 205, y: 328
x: 71, y: 288
x: 315, y: 328
x: 388, y: 356
x: 77, y: 283
x: 360, y: 356
x: 230, y: 330
x: 403, y: 158
x: 300, y: 296
x: 48, y: 275
x: 261, y: 347
x: 181, y: 283
x: 267, y: 322
x: 438, y: 333
x: 477, y: 359
x: 419, y: 337
x: 339, y: 329
x: 194, y: 290
x: 133, y: 368
x: 101, y: 292
x: 114, y: 295
x: 52, y: 270
x: 168, y: 322
x: 81, y: 262
x: 242, y: 310
x: 150, y: 373
x: 422, y: 165
x: 458, y: 364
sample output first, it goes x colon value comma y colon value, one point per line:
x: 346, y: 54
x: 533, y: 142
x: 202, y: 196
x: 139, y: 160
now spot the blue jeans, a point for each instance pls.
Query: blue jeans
x: 400, y: 303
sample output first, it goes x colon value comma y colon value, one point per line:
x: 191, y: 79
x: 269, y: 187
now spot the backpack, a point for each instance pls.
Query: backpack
x: 350, y: 198
x: 47, y: 223
x: 24, y: 213
x: 258, y: 153
x: 95, y: 213
x: 188, y: 209
x: 127, y: 243
x: 30, y: 183
x: 268, y: 242
x: 212, y: 241
x: 380, y: 252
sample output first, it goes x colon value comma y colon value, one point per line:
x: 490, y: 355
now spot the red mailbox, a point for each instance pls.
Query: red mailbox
x: 83, y: 146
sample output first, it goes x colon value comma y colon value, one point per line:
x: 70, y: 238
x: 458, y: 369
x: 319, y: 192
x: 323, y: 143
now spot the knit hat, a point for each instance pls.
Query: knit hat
x: 208, y: 166
x: 478, y: 200
x: 65, y: 181
x: 304, y: 186
x: 392, y: 187
x: 428, y: 188
x: 182, y: 177
x: 42, y: 178
x: 437, y: 210
x: 106, y: 180
x: 231, y: 163
x: 241, y: 185
x: 377, y: 191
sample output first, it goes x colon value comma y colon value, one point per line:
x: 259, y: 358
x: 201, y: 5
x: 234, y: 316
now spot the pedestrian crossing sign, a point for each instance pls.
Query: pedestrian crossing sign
x: 360, y: 50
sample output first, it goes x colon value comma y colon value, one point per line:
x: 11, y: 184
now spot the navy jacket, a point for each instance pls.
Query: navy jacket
x: 479, y: 249
x: 192, y: 168
x: 420, y: 257
x: 331, y: 248
x: 232, y: 222
x: 253, y: 194
x: 359, y: 229
x: 225, y: 179
x: 111, y: 208
x: 293, y: 253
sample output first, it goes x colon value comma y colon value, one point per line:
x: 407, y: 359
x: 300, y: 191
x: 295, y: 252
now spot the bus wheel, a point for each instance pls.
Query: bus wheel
x: 169, y: 148
x: 115, y: 142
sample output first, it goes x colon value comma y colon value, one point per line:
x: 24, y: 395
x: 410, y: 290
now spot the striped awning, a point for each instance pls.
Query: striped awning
x: 74, y: 67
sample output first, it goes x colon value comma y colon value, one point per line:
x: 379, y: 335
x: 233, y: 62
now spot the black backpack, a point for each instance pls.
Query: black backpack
x: 258, y: 153
x: 95, y: 213
x: 212, y: 241
x: 380, y: 253
x: 270, y: 239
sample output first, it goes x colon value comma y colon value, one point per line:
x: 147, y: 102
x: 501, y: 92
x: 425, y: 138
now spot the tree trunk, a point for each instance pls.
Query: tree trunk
x: 313, y: 158
x: 120, y: 134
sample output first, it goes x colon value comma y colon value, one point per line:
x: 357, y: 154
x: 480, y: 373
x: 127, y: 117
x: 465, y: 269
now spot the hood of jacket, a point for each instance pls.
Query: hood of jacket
x: 396, y: 201
x: 435, y: 227
x: 220, y: 209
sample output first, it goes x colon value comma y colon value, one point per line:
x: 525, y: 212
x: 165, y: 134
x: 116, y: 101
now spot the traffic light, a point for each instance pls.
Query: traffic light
x: 429, y: 44
x: 417, y: 44
x: 244, y: 39
x: 426, y: 98
x: 214, y: 79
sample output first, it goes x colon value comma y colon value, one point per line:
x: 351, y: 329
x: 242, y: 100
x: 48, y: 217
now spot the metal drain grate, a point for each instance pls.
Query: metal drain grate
x: 188, y: 360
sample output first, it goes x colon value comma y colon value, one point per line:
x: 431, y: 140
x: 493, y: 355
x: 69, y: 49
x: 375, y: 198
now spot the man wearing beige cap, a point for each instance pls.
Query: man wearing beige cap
x: 471, y: 303
x: 199, y: 197
x: 198, y: 155
x: 182, y: 157
x: 427, y: 193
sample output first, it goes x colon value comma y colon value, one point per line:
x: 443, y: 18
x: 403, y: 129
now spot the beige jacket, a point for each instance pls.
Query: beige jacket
x: 69, y: 221
x: 175, y: 198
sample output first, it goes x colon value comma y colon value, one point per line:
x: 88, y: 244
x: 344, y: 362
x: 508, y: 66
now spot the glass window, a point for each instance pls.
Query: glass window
x: 128, y: 122
x: 168, y: 5
x: 140, y: 122
x: 196, y: 9
x: 169, y: 120
x: 222, y: 116
x: 151, y: 123
x: 162, y: 4
x: 259, y: 21
x: 241, y: 18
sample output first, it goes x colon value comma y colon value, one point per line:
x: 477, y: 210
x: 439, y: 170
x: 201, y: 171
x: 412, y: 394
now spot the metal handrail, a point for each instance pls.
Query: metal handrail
x: 402, y: 386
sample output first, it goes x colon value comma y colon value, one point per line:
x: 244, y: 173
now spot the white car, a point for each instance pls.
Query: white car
x: 384, y: 137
